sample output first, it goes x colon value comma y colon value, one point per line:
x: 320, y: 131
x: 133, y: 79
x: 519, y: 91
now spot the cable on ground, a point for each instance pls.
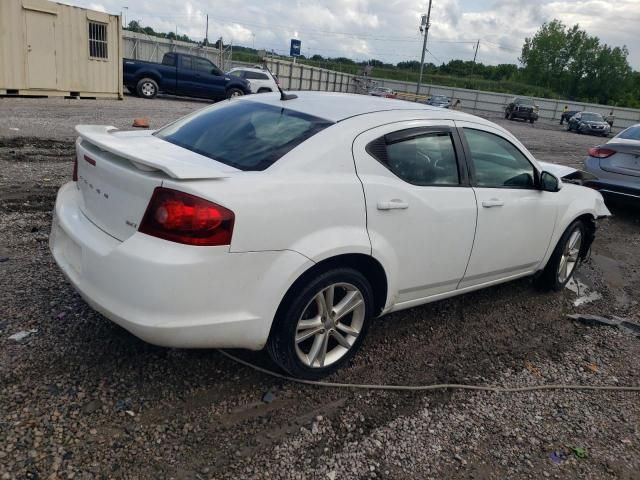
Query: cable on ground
x: 442, y: 386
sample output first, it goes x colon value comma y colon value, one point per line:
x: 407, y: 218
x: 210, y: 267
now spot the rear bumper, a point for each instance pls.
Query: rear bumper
x: 613, y: 190
x: 171, y: 294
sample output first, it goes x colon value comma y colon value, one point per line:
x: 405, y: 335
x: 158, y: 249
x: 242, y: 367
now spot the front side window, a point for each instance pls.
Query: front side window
x: 243, y: 134
x: 98, y: 46
x: 202, y: 65
x: 497, y: 162
x: 425, y: 159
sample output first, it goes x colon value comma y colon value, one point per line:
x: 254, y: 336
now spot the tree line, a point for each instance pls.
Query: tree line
x: 557, y: 62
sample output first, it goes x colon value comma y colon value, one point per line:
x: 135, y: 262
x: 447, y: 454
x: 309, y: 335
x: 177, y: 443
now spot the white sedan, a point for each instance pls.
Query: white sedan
x: 292, y: 223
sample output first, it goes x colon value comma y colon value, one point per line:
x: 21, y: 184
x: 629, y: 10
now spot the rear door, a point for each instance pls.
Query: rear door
x: 515, y: 218
x: 421, y: 211
x: 186, y: 77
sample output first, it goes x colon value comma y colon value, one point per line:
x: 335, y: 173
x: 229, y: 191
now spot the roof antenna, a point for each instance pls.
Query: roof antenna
x: 283, y: 96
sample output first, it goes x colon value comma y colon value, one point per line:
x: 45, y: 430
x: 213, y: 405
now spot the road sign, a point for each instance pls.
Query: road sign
x: 296, y: 45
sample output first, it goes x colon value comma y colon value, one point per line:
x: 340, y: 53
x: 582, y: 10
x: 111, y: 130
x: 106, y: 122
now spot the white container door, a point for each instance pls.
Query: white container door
x: 41, y: 50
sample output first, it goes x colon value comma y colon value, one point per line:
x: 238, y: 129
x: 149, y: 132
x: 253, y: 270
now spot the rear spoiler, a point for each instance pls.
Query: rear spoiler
x: 146, y: 151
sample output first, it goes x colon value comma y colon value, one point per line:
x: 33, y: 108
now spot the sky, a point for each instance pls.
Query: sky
x: 386, y: 30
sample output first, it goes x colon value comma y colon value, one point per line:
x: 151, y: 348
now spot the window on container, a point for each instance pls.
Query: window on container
x: 98, y: 40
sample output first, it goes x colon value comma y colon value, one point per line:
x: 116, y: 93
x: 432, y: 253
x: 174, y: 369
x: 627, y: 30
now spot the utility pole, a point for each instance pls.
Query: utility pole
x: 206, y: 34
x: 220, y: 54
x: 474, y: 56
x: 423, y: 25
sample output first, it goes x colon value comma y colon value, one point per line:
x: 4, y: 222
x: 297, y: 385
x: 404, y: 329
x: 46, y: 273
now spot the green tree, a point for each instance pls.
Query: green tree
x: 575, y: 64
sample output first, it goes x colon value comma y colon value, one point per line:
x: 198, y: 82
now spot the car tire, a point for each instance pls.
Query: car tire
x: 234, y: 92
x: 565, y: 259
x: 304, y: 350
x: 147, y: 88
x: 531, y: 120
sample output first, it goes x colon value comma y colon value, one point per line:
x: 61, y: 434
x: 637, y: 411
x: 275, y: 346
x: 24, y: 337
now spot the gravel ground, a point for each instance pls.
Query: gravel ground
x: 82, y: 398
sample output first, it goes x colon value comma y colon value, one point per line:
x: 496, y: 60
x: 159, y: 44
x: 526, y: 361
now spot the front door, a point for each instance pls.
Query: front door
x: 515, y: 218
x: 421, y: 212
x: 41, y: 50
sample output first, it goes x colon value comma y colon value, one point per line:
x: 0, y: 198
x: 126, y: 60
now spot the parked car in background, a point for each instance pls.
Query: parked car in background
x: 292, y: 223
x: 181, y: 74
x: 589, y: 122
x: 521, y: 107
x: 382, y: 92
x: 565, y: 116
x: 441, y: 101
x: 617, y: 166
x: 261, y: 80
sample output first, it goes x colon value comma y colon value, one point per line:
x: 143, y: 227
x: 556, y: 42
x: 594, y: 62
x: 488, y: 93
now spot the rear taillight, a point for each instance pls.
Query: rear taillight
x: 75, y: 169
x: 600, y: 152
x: 183, y: 218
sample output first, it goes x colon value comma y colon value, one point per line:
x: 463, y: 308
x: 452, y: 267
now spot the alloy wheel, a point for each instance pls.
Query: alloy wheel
x: 570, y: 256
x: 329, y: 325
x: 148, y: 89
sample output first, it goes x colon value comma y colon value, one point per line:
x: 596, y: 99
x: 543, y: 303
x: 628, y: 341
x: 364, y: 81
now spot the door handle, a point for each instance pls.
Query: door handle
x: 494, y: 202
x: 394, y: 204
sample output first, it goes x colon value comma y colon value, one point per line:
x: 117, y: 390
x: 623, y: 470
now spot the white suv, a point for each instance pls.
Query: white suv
x: 261, y: 80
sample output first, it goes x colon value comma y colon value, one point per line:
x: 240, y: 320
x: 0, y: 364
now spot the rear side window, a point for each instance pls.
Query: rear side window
x: 631, y: 133
x: 169, y: 59
x: 243, y: 134
x: 420, y: 158
x: 256, y: 76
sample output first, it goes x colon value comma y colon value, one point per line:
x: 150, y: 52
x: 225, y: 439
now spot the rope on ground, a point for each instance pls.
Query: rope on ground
x: 442, y: 386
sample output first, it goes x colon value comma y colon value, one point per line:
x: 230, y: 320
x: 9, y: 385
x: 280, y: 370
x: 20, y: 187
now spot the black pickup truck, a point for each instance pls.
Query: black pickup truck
x: 521, y: 107
x: 181, y: 74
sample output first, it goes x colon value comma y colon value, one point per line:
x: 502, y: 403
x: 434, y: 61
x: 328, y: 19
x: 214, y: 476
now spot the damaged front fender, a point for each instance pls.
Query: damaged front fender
x: 567, y: 174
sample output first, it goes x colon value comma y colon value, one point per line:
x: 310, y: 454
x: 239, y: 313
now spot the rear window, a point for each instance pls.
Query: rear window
x: 243, y: 134
x: 631, y: 133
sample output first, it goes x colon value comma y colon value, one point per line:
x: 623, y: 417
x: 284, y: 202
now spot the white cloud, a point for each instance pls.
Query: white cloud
x: 386, y: 29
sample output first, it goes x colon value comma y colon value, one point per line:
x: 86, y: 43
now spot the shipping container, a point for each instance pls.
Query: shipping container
x: 52, y: 49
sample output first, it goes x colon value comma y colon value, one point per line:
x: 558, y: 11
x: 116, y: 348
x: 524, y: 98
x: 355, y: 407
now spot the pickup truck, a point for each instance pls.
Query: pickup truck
x: 521, y: 107
x: 181, y: 74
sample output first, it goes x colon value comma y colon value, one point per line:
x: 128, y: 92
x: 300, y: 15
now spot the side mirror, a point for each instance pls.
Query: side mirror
x: 549, y: 182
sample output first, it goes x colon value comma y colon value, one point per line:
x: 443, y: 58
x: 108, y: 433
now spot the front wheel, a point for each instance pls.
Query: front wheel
x: 234, y: 92
x: 565, y: 258
x: 531, y: 120
x: 321, y: 323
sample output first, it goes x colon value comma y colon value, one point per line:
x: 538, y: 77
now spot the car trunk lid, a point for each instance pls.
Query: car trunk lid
x: 626, y: 160
x: 118, y: 172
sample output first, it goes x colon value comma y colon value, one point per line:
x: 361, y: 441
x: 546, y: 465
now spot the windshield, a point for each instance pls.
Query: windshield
x: 523, y: 101
x: 439, y: 98
x: 244, y: 134
x: 592, y: 117
x: 631, y: 133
